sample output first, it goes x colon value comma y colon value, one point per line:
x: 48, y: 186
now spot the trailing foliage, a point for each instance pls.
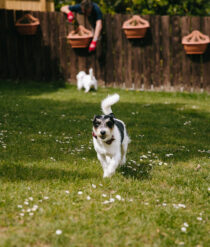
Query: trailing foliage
x: 151, y: 7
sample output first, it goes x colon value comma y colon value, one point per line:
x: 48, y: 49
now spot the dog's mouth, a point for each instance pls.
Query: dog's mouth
x: 103, y: 137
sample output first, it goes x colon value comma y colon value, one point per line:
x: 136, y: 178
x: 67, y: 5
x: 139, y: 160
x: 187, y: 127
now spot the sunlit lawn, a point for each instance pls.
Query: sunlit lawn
x: 51, y: 188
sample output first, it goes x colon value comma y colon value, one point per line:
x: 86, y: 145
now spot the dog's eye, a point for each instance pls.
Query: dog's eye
x: 96, y: 124
x: 110, y: 124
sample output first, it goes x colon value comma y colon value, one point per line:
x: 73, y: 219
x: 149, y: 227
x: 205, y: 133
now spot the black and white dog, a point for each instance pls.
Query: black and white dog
x: 110, y: 137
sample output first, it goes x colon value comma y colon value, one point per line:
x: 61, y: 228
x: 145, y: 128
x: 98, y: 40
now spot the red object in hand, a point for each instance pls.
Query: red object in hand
x: 70, y: 16
x: 92, y: 46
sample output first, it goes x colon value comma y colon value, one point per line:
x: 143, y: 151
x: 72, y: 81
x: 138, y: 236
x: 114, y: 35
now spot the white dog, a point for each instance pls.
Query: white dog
x: 110, y: 137
x: 86, y: 81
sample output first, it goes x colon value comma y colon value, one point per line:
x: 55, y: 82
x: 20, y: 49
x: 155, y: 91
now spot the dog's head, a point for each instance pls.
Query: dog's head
x: 103, y: 126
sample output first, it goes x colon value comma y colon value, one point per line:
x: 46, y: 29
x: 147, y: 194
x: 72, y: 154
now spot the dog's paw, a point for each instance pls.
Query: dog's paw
x: 123, y: 161
x: 107, y: 175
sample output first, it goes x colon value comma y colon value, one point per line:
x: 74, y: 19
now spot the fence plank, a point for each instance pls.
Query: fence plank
x: 196, y: 59
x: 147, y: 57
x: 165, y: 55
x: 175, y: 52
x: 127, y: 61
x: 186, y: 62
x: 63, y: 48
x: 46, y: 47
x: 109, y: 51
x: 99, y: 61
x: 206, y: 56
x: 137, y: 63
x: 3, y: 44
x: 156, y: 51
x: 118, y: 54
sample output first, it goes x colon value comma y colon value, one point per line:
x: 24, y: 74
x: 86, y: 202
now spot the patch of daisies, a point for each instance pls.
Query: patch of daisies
x: 3, y: 135
x: 29, y: 207
x: 145, y: 163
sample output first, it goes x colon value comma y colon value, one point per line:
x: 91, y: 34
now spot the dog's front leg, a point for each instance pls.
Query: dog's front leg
x: 87, y: 89
x: 102, y: 159
x: 112, y: 165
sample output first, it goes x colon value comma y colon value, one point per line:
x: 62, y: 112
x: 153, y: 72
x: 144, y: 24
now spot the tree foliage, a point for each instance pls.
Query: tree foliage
x: 151, y: 7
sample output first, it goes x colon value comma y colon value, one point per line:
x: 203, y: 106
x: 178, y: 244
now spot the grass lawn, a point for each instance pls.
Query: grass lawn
x: 51, y: 188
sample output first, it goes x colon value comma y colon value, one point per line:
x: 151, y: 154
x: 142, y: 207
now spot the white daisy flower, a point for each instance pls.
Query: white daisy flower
x: 106, y: 202
x: 58, y: 232
x: 183, y: 229
x: 118, y: 197
x: 186, y: 224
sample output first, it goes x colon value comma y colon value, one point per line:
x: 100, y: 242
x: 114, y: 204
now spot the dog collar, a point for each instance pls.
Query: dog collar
x: 109, y: 142
x: 94, y: 135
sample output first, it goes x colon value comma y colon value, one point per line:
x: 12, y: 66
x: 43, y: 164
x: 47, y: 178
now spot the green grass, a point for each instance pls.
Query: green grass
x: 47, y: 157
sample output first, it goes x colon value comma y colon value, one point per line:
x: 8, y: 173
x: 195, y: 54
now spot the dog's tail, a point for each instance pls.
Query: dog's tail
x: 108, y: 102
x: 91, y: 73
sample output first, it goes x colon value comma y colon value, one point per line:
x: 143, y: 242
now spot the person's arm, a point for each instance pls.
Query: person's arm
x: 70, y: 16
x: 97, y: 32
x: 65, y: 9
x: 68, y: 10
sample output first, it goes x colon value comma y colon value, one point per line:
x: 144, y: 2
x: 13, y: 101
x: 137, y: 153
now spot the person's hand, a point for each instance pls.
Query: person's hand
x: 70, y: 17
x: 92, y: 46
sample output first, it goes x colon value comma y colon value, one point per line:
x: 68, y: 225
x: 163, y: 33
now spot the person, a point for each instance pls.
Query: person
x: 90, y: 9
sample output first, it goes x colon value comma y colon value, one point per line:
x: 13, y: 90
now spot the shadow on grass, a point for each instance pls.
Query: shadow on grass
x: 140, y: 172
x: 22, y: 88
x: 159, y: 128
x: 17, y: 172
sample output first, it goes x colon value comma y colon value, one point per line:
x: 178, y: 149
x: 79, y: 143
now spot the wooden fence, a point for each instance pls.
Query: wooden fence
x: 156, y: 62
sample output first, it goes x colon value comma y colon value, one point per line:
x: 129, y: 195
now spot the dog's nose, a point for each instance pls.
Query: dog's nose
x: 103, y: 132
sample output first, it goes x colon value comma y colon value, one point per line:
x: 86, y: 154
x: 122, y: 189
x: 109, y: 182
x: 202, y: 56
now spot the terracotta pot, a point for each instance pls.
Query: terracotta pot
x: 80, y: 38
x: 195, y: 43
x: 135, y: 27
x: 27, y: 25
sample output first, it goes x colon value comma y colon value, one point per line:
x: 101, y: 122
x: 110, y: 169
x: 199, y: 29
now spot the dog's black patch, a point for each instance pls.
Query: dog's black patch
x: 110, y: 122
x: 120, y: 126
x: 96, y: 123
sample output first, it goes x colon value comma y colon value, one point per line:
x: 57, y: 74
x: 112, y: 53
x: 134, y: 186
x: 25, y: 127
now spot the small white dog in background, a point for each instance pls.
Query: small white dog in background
x: 110, y: 138
x: 86, y: 81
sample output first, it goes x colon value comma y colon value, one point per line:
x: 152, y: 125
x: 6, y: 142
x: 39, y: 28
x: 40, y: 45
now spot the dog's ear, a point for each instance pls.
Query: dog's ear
x: 96, y: 117
x: 111, y: 116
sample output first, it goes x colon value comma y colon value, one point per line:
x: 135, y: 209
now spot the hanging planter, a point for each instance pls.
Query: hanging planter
x: 80, y: 38
x: 27, y: 25
x: 195, y: 43
x: 135, y: 27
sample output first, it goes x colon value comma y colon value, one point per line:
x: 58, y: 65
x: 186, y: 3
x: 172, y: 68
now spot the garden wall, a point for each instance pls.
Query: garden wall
x: 156, y: 62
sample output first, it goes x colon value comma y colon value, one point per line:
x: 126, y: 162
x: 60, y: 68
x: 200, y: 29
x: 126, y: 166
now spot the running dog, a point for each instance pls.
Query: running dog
x: 110, y: 138
x: 86, y: 81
